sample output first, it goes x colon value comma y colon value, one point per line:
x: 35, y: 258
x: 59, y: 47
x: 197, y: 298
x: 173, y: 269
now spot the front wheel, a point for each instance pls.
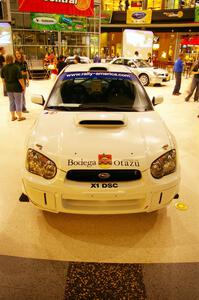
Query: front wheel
x: 144, y: 78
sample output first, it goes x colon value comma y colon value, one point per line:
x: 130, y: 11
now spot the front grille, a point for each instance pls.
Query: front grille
x: 103, y: 175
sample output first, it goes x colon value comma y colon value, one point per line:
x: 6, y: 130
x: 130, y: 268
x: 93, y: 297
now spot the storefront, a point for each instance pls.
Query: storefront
x: 39, y: 33
x: 170, y: 27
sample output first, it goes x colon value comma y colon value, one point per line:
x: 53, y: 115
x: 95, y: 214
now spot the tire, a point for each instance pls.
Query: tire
x: 144, y: 78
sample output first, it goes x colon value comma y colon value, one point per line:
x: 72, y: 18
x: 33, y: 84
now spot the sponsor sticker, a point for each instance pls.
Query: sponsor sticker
x: 105, y: 160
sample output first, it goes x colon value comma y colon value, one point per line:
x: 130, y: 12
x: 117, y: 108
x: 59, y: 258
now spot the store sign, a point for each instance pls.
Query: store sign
x: 70, y: 7
x: 57, y: 22
x: 137, y: 16
x: 197, y: 14
x: 192, y: 40
x: 106, y: 16
x: 173, y: 15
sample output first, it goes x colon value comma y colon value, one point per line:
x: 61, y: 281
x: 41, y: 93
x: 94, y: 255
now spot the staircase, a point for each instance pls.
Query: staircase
x: 37, y: 70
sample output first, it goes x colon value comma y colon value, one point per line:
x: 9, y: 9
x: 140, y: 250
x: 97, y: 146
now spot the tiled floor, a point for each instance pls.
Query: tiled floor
x: 168, y: 236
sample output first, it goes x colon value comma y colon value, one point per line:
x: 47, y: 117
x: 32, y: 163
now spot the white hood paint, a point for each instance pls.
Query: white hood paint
x: 141, y: 138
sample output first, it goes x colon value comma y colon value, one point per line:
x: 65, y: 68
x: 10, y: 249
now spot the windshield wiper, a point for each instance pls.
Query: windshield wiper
x: 88, y: 107
x: 104, y: 107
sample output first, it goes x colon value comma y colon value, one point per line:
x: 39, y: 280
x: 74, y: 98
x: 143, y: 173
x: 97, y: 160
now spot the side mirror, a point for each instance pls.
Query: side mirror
x: 38, y: 99
x: 157, y: 100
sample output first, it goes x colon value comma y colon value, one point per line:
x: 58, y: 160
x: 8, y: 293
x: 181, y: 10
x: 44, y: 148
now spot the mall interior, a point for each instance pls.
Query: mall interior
x: 135, y: 256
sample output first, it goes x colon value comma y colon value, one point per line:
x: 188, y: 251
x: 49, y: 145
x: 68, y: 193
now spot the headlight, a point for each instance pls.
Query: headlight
x: 39, y: 164
x: 164, y: 165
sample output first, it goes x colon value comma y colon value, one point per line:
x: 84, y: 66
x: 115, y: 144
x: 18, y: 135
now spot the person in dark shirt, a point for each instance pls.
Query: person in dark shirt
x: 20, y: 61
x: 12, y: 79
x: 194, y: 83
x: 2, y: 63
x: 2, y: 58
x: 61, y: 63
x: 97, y: 58
x: 126, y: 4
x: 178, y: 69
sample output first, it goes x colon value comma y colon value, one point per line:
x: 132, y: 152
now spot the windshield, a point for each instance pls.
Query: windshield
x: 98, y: 91
x: 140, y: 63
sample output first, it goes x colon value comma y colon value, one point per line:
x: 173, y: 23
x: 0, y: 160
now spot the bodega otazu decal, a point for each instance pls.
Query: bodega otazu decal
x: 104, y: 161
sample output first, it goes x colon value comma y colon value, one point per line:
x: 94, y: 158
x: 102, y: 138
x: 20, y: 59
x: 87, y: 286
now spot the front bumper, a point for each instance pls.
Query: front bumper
x: 155, y: 80
x: 62, y: 195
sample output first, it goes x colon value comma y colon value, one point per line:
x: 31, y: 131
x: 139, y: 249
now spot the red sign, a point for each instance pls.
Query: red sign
x: 70, y: 7
x: 194, y: 40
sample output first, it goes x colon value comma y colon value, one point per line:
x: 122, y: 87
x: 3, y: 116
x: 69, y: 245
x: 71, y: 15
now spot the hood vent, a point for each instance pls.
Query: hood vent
x: 102, y: 122
x: 98, y: 119
x: 98, y: 69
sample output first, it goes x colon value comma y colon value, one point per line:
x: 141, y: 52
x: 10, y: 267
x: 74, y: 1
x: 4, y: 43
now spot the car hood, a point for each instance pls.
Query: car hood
x: 159, y: 70
x: 100, y: 139
x: 151, y: 70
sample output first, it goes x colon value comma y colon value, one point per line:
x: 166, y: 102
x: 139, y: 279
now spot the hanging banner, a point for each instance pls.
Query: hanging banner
x: 137, y: 16
x: 70, y: 7
x: 42, y: 21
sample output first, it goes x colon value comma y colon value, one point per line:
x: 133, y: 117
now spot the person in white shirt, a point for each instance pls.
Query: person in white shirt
x: 137, y: 55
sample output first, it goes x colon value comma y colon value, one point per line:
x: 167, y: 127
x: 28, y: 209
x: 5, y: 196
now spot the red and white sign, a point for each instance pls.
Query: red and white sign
x: 70, y: 7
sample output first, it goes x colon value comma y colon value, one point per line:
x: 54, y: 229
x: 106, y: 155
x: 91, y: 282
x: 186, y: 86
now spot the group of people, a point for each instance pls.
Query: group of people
x: 178, y: 70
x: 56, y: 64
x: 15, y: 77
x: 126, y: 3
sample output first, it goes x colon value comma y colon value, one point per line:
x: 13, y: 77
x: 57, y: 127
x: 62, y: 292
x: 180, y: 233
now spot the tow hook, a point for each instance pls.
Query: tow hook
x: 23, y: 198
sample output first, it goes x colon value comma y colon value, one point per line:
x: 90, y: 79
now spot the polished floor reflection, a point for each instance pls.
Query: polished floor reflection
x: 164, y: 244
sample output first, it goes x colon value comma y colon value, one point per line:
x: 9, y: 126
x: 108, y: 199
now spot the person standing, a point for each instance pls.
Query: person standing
x: 2, y: 63
x: 136, y: 55
x: 12, y: 79
x: 20, y: 61
x: 77, y: 59
x: 2, y: 58
x: 194, y: 82
x: 97, y: 58
x: 149, y: 59
x: 178, y: 69
x: 120, y: 5
x: 61, y: 63
x: 127, y: 5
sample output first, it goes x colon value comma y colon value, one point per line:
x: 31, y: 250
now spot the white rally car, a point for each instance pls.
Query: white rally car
x: 99, y: 147
x: 146, y: 73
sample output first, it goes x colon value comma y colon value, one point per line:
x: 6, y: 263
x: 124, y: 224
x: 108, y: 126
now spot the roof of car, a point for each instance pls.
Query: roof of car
x: 129, y: 58
x: 103, y: 67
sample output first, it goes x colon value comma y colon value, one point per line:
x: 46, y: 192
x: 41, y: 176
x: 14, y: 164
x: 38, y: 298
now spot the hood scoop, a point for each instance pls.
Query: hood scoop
x: 100, y: 120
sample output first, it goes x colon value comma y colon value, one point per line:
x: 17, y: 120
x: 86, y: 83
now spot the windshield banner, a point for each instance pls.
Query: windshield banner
x: 70, y: 7
x: 87, y: 75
